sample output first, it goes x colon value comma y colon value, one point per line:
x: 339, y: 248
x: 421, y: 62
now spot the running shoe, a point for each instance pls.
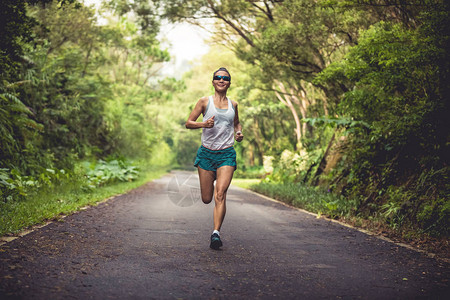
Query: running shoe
x: 216, y: 243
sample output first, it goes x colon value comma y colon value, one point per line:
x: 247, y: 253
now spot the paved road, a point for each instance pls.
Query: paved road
x: 153, y: 243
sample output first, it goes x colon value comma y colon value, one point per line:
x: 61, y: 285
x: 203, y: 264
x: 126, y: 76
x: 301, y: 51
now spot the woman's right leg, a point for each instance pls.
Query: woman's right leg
x: 206, y: 184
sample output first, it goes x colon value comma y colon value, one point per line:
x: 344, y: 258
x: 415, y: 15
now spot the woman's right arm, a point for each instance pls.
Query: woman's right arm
x: 192, y: 123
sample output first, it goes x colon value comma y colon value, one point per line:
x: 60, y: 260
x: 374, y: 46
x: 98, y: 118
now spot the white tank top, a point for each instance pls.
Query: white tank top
x: 220, y: 136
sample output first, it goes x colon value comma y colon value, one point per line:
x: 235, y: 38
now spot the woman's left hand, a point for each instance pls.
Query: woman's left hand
x: 239, y: 136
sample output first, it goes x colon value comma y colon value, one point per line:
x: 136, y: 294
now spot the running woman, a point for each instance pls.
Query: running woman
x: 216, y: 157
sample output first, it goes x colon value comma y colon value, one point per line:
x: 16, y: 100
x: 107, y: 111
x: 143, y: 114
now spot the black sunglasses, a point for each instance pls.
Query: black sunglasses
x: 225, y: 78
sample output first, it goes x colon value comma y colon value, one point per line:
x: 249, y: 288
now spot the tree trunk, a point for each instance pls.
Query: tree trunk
x: 323, y: 161
x: 287, y: 101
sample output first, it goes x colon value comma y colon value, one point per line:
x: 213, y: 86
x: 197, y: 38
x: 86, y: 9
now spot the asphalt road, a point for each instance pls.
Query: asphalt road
x: 153, y: 243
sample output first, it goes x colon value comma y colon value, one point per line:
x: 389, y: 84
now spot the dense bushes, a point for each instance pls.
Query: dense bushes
x: 74, y: 90
x: 393, y: 152
x: 401, y: 160
x: 89, y: 175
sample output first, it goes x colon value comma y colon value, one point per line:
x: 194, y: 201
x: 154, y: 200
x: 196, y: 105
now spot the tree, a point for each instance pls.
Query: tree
x: 400, y: 86
x: 289, y: 41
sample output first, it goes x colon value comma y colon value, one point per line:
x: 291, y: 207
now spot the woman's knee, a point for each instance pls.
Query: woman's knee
x: 206, y: 200
x: 207, y: 196
x: 219, y: 195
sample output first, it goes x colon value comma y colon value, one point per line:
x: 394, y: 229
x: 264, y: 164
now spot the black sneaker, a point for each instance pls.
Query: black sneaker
x: 216, y: 243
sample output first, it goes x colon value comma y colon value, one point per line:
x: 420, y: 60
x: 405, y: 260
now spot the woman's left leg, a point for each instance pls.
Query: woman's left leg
x: 223, y: 180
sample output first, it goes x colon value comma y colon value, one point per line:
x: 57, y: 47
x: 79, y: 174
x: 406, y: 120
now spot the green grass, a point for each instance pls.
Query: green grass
x: 62, y: 200
x: 245, y: 183
x: 299, y: 195
x: 311, y: 199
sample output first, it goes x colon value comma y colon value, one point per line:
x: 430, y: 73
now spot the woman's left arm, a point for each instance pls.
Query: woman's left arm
x: 237, y: 125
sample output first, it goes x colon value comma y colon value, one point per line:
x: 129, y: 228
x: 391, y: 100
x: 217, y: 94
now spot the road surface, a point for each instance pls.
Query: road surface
x: 153, y: 243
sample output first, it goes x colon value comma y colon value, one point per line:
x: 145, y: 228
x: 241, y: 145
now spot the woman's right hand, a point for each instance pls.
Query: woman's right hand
x: 210, y: 122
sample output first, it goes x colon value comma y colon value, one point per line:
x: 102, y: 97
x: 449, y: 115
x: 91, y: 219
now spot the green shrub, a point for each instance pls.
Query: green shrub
x: 14, y: 185
x: 106, y: 172
x: 434, y: 217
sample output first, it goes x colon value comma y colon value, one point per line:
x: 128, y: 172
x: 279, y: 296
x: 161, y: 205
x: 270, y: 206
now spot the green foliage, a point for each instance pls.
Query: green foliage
x: 391, y: 211
x: 146, y: 14
x: 15, y: 28
x: 398, y: 77
x: 17, y: 187
x: 83, y: 90
x: 14, y: 186
x: 103, y: 172
x: 423, y: 204
x: 336, y: 123
x: 187, y: 146
x: 16, y: 126
x: 291, y: 167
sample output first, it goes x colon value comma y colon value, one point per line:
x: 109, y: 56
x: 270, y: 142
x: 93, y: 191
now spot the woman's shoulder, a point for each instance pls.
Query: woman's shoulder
x: 203, y: 101
x: 235, y: 104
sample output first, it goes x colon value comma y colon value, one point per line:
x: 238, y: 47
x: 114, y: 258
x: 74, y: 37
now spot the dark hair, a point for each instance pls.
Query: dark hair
x: 222, y: 69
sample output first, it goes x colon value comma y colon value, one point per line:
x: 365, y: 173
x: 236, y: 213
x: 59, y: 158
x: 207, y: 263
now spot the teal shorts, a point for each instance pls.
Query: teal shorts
x: 211, y: 160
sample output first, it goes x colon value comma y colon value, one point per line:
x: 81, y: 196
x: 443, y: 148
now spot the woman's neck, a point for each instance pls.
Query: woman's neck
x: 220, y: 96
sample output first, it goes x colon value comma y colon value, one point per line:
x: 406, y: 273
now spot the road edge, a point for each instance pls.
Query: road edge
x: 9, y: 238
x: 367, y: 232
